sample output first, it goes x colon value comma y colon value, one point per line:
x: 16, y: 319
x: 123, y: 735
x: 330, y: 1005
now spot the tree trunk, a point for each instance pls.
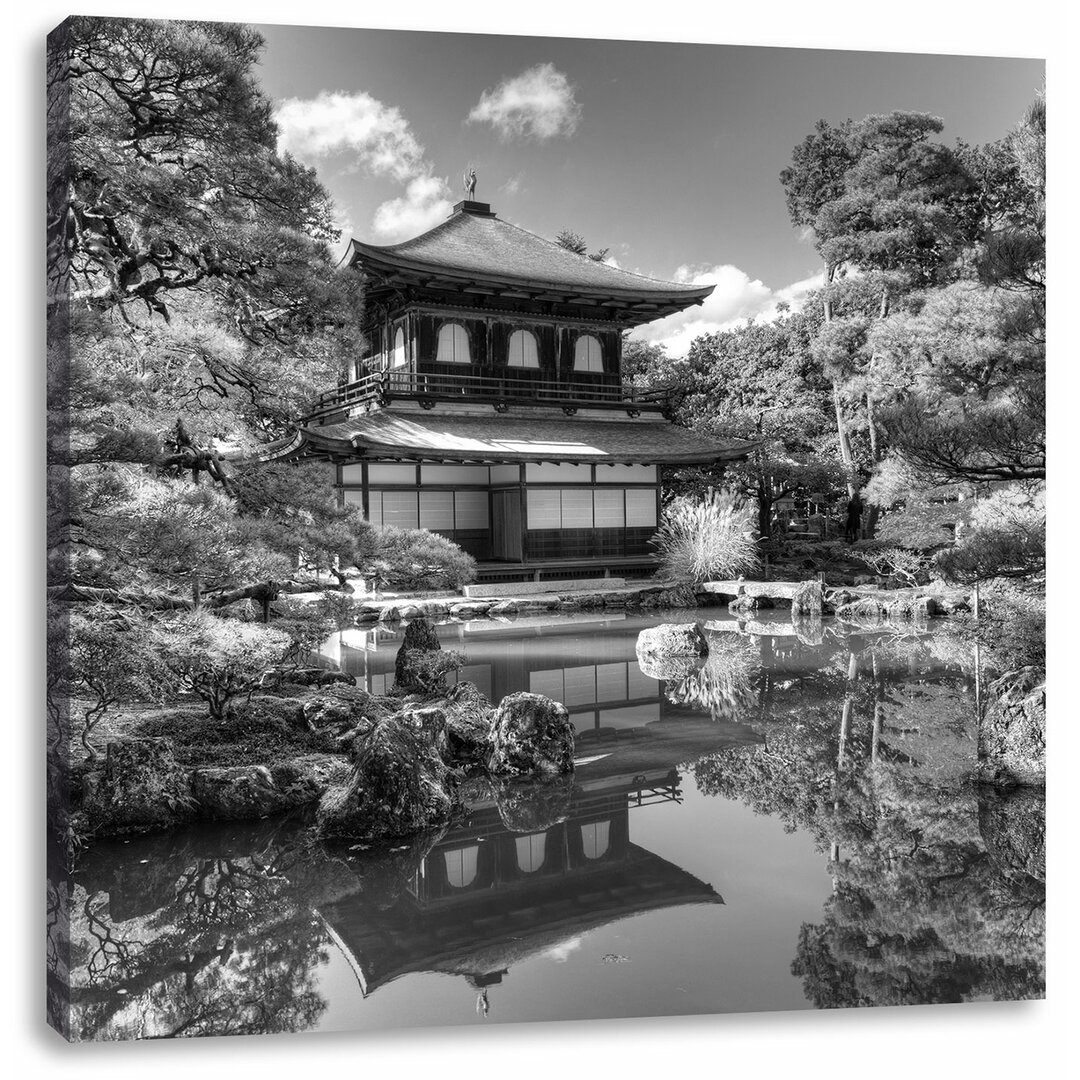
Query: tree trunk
x: 846, y: 455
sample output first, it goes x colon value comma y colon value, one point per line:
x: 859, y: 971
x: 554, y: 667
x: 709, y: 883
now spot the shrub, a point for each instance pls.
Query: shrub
x: 217, y: 659
x: 415, y: 559
x: 1006, y: 538
x: 108, y: 662
x: 704, y: 539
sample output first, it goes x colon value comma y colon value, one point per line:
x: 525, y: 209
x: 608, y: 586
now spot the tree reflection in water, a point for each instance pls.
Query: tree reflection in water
x: 939, y: 885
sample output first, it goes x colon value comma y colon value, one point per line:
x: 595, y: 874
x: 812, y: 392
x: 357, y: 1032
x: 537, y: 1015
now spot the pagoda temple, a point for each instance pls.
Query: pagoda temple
x: 488, y: 403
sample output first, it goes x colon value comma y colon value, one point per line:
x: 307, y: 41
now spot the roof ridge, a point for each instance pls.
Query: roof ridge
x: 618, y: 269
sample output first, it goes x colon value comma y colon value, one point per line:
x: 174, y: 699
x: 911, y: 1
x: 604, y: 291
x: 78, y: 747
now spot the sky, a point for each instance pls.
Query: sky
x: 666, y: 154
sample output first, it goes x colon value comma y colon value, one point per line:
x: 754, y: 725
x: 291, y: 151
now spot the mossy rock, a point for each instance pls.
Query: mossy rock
x: 141, y: 788
x: 398, y: 787
x: 531, y: 736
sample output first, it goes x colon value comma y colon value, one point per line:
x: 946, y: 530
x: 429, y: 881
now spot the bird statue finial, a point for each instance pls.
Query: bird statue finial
x: 470, y: 182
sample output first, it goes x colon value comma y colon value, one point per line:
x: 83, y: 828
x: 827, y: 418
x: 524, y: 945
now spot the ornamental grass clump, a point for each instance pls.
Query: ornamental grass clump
x: 705, y: 539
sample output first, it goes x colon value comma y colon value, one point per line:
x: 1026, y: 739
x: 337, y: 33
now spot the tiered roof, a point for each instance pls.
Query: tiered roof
x: 476, y: 251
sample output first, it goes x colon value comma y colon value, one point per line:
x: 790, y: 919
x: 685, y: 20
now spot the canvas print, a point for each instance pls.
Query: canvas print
x: 539, y: 529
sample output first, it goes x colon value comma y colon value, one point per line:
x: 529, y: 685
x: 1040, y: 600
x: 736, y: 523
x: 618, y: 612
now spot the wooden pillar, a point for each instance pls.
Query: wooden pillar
x: 524, y: 513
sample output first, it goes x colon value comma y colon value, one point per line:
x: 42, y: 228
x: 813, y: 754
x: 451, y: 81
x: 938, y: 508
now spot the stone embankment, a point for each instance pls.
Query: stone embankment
x: 859, y: 605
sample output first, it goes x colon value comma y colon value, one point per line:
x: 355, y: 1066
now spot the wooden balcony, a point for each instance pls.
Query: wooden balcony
x: 501, y: 390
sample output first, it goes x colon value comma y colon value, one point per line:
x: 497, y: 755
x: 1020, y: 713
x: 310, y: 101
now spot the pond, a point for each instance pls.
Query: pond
x: 787, y: 826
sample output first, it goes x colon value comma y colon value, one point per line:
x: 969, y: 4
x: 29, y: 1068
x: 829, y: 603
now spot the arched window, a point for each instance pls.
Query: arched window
x: 461, y: 866
x: 453, y: 344
x: 587, y: 354
x: 397, y: 357
x: 595, y: 838
x: 522, y: 350
x: 530, y: 851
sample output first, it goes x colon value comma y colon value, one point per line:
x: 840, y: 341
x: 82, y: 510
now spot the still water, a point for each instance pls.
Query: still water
x: 784, y: 827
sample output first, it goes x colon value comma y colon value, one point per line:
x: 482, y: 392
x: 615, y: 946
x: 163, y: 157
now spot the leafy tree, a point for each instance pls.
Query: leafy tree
x: 194, y: 312
x: 107, y: 663
x: 756, y: 382
x: 217, y: 659
x: 882, y: 199
x: 575, y: 242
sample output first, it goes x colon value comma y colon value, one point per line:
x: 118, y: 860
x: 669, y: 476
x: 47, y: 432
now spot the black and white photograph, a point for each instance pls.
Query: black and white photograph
x: 540, y: 527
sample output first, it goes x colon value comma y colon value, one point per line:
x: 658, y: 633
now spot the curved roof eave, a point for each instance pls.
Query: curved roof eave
x: 651, y: 288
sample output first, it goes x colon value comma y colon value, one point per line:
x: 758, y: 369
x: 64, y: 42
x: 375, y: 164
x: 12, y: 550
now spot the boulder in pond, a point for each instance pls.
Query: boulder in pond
x: 254, y: 791
x: 808, y: 599
x: 398, y: 787
x: 469, y: 725
x: 420, y: 666
x: 1012, y: 733
x: 671, y: 651
x: 531, y: 736
x: 141, y: 788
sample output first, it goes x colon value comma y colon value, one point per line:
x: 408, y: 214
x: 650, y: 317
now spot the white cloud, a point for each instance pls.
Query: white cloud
x: 735, y: 299
x: 513, y: 185
x: 539, y: 103
x: 380, y: 140
x: 336, y: 123
x: 425, y: 203
x: 561, y: 953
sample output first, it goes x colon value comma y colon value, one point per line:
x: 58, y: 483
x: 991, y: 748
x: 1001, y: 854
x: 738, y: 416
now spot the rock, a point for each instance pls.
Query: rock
x: 306, y: 676
x: 469, y: 611
x: 398, y: 787
x: 140, y: 789
x: 533, y: 806
x: 1012, y: 733
x: 504, y: 607
x: 745, y: 604
x: 255, y: 791
x: 344, y: 708
x: 808, y: 599
x: 866, y: 609
x: 469, y: 726
x: 412, y: 666
x: 389, y: 613
x: 531, y: 736
x: 368, y: 613
x: 671, y: 651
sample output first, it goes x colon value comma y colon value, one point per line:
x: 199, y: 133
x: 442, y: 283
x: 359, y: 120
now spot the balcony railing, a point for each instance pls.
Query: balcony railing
x: 499, y: 389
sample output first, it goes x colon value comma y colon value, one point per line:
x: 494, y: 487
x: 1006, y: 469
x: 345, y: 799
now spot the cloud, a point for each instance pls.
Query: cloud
x: 735, y: 299
x: 513, y: 185
x: 380, y: 140
x: 539, y: 104
x: 561, y: 952
x: 425, y: 203
x: 336, y: 123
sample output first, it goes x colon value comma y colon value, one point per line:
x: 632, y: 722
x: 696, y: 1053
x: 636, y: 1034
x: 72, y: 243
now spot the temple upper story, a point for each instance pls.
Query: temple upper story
x: 478, y: 309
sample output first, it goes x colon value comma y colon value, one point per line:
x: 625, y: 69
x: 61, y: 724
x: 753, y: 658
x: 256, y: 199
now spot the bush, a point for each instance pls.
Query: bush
x: 705, y: 539
x: 108, y: 663
x: 217, y: 659
x: 1007, y: 538
x: 415, y: 559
